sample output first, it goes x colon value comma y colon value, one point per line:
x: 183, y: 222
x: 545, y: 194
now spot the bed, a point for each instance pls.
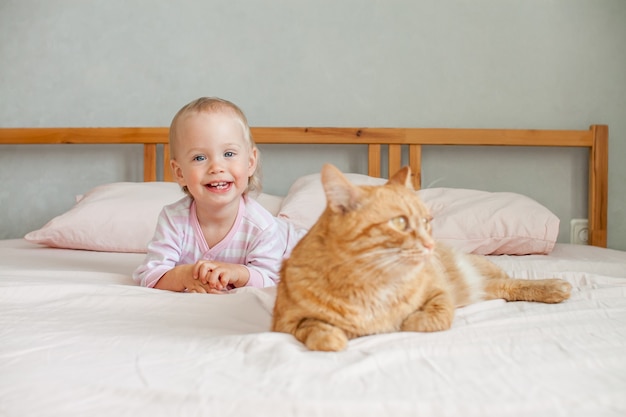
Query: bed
x: 79, y: 337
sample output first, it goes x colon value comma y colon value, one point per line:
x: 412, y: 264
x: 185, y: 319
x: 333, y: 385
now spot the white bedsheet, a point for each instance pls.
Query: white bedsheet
x: 78, y: 338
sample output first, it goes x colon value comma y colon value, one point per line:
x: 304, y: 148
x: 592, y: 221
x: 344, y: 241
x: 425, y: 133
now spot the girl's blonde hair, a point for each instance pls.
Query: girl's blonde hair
x: 216, y: 105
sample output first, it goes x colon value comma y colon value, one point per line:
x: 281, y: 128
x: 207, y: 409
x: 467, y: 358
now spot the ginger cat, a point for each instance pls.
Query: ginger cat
x: 370, y: 265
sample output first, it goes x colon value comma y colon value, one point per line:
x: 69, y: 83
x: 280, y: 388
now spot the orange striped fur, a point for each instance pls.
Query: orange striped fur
x: 370, y: 265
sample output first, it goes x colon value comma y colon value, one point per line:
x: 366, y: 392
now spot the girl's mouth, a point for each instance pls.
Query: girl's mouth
x: 219, y: 186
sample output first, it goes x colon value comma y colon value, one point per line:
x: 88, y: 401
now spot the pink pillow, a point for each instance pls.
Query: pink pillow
x: 488, y: 223
x: 473, y: 221
x: 117, y: 217
x: 305, y: 201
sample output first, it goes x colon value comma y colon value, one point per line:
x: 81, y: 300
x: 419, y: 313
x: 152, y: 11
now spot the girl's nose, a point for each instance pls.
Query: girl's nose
x: 215, y: 166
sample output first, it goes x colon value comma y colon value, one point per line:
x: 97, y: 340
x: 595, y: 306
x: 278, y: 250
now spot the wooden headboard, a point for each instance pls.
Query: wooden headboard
x: 595, y: 139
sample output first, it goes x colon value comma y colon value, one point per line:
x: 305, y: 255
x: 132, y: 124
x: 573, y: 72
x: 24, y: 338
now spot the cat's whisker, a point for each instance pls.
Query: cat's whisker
x: 383, y: 258
x: 369, y: 261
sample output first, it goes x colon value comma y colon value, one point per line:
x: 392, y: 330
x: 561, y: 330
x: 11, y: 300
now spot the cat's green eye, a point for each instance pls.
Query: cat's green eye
x: 400, y: 223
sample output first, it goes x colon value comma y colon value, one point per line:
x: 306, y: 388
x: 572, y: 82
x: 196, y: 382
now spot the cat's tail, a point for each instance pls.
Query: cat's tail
x: 542, y: 290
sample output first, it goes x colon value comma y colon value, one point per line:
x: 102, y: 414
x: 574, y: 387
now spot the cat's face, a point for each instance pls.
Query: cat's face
x: 387, y: 222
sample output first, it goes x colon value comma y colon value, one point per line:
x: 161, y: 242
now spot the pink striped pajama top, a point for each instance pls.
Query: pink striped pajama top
x: 257, y: 240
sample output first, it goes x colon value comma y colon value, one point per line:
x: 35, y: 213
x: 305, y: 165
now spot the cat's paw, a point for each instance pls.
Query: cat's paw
x: 556, y: 291
x: 428, y: 321
x: 434, y: 315
x: 327, y: 341
x: 422, y: 321
x: 317, y: 335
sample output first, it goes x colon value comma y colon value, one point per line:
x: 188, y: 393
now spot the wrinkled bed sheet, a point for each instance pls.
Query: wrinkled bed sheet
x: 79, y: 338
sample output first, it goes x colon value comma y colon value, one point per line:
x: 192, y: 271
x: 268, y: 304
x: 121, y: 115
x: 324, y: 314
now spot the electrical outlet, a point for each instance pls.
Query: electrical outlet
x: 579, y: 232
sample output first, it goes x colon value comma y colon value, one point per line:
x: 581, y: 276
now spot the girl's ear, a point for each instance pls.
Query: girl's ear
x: 253, y: 161
x: 341, y: 195
x: 177, y: 173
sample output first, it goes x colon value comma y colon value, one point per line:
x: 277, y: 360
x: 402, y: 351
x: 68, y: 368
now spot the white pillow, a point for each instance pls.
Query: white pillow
x: 270, y: 202
x: 473, y: 221
x: 117, y: 217
x: 121, y: 217
x: 489, y: 223
x: 305, y: 201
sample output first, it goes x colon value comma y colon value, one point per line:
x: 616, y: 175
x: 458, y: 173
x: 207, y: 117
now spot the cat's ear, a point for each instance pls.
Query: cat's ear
x: 402, y: 177
x: 342, y: 196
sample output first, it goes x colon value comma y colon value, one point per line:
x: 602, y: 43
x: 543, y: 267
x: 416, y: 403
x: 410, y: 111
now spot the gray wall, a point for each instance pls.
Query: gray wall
x: 486, y: 63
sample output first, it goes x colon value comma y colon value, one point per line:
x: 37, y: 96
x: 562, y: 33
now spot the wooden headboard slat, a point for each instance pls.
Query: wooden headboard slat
x: 394, y: 159
x: 501, y: 137
x: 167, y: 172
x: 373, y: 160
x: 150, y: 162
x: 598, y: 186
x: 290, y: 135
x: 415, y: 162
x: 424, y: 136
x: 84, y: 135
x: 595, y: 139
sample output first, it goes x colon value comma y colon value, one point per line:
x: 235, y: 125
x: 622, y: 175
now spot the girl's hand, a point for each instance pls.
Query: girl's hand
x: 219, y: 275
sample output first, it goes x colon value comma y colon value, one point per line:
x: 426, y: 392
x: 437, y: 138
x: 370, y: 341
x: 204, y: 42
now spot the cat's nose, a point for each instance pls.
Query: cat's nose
x: 428, y: 243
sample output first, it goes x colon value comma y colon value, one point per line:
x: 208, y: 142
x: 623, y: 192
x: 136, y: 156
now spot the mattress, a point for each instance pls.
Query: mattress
x: 80, y: 338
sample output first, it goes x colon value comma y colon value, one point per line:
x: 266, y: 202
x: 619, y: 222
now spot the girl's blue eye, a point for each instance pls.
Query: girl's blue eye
x: 229, y: 154
x: 199, y: 158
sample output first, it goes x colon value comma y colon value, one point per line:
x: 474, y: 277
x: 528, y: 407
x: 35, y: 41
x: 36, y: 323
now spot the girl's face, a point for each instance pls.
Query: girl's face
x: 213, y: 159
